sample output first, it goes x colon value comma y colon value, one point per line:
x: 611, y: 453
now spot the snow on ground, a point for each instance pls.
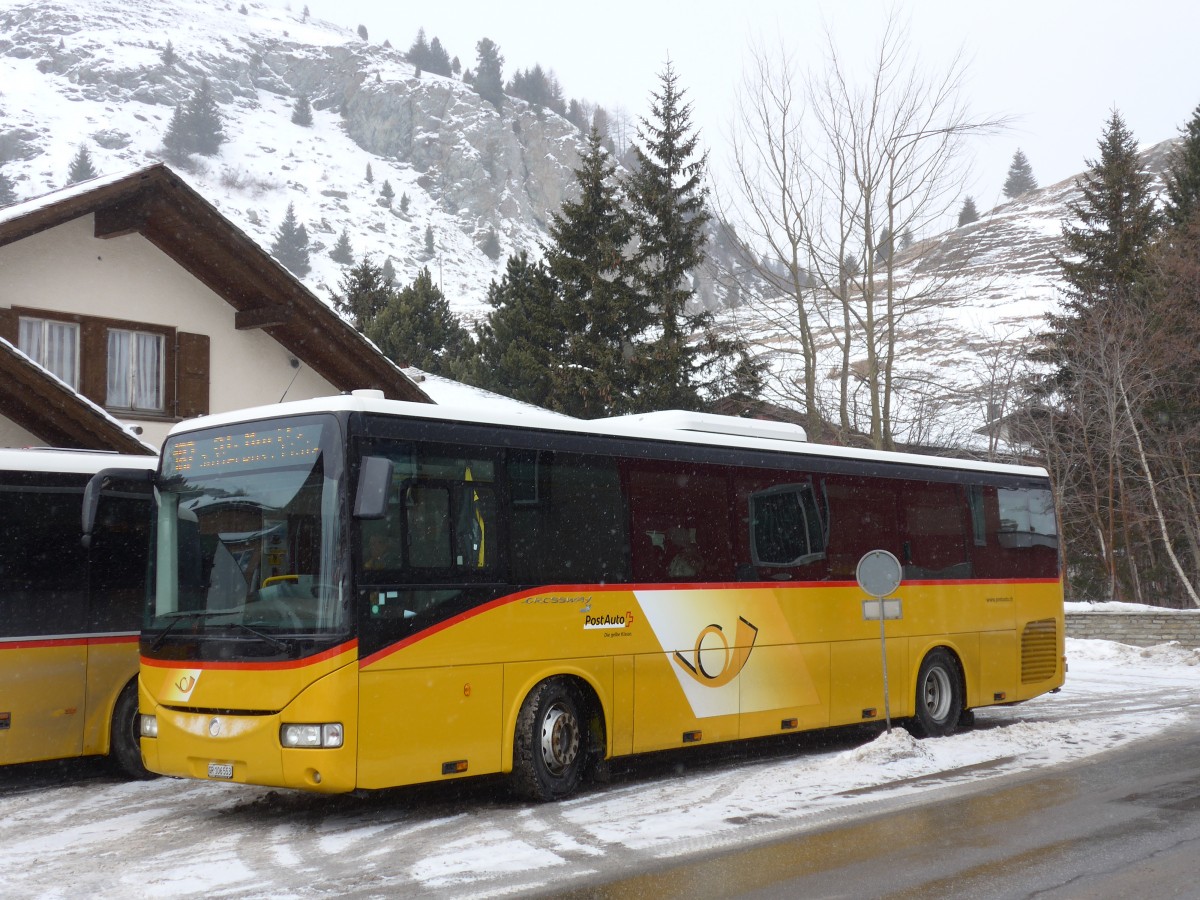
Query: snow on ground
x: 70, y: 834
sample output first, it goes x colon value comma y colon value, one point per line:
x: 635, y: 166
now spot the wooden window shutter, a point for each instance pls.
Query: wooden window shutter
x: 191, y: 375
x: 8, y: 325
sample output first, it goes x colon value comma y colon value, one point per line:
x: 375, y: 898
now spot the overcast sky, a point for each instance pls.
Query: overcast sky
x: 1057, y: 66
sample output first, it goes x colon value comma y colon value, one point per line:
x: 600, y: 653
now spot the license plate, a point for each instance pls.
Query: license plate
x: 220, y: 770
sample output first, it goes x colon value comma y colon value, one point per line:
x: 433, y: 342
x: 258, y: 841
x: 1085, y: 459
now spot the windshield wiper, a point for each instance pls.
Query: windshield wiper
x: 178, y: 617
x: 279, y: 645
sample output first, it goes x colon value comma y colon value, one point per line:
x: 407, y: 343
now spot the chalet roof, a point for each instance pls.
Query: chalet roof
x: 76, y: 422
x: 158, y: 204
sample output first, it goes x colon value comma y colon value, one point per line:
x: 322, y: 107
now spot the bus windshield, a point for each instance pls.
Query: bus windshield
x: 249, y: 537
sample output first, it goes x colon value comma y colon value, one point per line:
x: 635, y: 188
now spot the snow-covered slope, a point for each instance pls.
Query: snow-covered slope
x: 91, y: 73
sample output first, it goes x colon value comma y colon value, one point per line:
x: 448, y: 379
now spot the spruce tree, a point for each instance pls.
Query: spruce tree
x: 302, y: 111
x: 1108, y: 251
x: 370, y: 175
x: 489, y: 74
x: 418, y: 52
x: 362, y: 32
x: 1107, y: 246
x: 203, y: 121
x: 291, y: 244
x: 404, y: 201
x: 386, y: 193
x: 417, y: 328
x: 439, y: 59
x: 429, y: 248
x: 81, y: 167
x: 1183, y: 176
x: 364, y: 294
x: 168, y: 55
x: 8, y: 196
x: 968, y: 213
x: 667, y: 199
x: 388, y: 273
x: 177, y: 143
x: 1020, y: 177
x: 521, y: 340
x: 604, y: 316
x: 342, y: 252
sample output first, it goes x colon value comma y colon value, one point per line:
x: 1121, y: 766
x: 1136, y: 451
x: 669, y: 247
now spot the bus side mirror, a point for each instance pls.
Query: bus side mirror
x: 374, y: 483
x: 91, y: 495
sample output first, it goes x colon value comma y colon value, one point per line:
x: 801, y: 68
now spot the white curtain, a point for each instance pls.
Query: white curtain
x: 52, y: 345
x: 135, y: 370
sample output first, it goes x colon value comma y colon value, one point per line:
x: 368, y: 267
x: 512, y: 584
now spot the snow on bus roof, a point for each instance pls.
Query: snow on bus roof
x: 53, y: 459
x: 652, y: 426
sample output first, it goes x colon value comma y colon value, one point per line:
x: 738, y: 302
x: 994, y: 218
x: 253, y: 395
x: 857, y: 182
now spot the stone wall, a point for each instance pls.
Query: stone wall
x: 1141, y: 629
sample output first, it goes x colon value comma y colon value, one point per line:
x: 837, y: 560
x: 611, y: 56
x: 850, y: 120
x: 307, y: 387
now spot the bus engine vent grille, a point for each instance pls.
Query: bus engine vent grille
x: 1039, y: 651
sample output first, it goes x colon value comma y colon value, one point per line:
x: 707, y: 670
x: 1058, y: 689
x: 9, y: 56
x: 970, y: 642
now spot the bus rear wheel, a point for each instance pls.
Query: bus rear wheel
x: 550, y: 748
x: 124, y: 744
x: 939, y: 695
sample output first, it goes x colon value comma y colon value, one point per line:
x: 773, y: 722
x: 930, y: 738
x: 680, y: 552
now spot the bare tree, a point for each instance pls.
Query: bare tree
x: 830, y: 173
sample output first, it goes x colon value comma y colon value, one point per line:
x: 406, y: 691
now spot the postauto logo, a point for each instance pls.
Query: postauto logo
x: 608, y: 620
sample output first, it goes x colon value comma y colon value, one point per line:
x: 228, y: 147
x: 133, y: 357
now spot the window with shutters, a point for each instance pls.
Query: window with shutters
x: 135, y: 369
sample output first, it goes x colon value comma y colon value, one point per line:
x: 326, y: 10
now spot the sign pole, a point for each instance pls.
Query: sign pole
x: 879, y: 574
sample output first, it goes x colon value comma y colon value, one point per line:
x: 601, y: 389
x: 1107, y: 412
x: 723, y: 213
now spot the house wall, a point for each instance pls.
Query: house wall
x: 66, y: 269
x: 13, y: 435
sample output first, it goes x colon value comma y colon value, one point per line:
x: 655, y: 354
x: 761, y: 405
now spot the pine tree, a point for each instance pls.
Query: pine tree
x: 291, y: 244
x: 370, y: 175
x: 417, y: 328
x: 177, y: 143
x: 1020, y: 177
x: 1183, y: 176
x: 667, y: 200
x: 968, y: 213
x: 386, y: 193
x: 1107, y: 246
x: 81, y: 167
x: 362, y: 32
x: 1108, y: 251
x: 439, y: 59
x: 302, y: 111
x: 604, y: 317
x: 8, y: 196
x: 388, y: 273
x: 429, y: 249
x: 168, y: 55
x: 364, y: 294
x: 200, y: 123
x: 489, y: 74
x: 404, y: 201
x: 342, y: 252
x: 418, y: 52
x: 522, y: 338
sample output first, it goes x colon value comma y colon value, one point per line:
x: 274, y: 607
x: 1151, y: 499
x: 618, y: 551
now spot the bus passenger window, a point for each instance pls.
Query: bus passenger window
x: 785, y: 526
x: 428, y: 532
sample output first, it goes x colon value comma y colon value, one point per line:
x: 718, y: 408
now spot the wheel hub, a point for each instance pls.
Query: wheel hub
x: 560, y: 739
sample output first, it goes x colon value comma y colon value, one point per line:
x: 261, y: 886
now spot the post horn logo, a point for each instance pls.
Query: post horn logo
x: 735, y: 657
x: 185, y: 683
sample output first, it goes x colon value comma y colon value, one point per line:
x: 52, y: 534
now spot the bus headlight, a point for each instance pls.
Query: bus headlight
x: 326, y: 736
x: 148, y: 726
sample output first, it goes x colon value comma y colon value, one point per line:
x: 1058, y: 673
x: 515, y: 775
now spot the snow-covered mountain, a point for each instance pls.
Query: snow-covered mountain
x: 92, y: 73
x: 970, y: 303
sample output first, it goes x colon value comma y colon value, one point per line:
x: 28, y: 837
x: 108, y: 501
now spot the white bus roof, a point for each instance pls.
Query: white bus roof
x: 673, y: 426
x: 85, y: 462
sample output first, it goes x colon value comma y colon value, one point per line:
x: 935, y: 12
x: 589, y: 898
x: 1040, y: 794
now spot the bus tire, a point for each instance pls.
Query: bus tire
x: 124, y: 744
x: 550, y: 748
x: 939, y: 695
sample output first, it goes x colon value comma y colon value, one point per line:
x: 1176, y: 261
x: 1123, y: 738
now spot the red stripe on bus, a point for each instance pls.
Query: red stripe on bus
x: 685, y: 586
x: 252, y: 666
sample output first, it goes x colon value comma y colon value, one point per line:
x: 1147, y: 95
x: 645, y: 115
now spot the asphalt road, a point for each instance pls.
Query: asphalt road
x: 1123, y: 825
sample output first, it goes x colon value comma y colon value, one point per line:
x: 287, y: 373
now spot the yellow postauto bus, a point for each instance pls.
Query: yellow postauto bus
x: 353, y: 593
x: 70, y: 608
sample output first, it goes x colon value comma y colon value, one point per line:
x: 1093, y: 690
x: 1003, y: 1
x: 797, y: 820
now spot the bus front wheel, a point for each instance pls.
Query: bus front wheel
x: 939, y: 695
x: 550, y: 746
x: 124, y: 743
